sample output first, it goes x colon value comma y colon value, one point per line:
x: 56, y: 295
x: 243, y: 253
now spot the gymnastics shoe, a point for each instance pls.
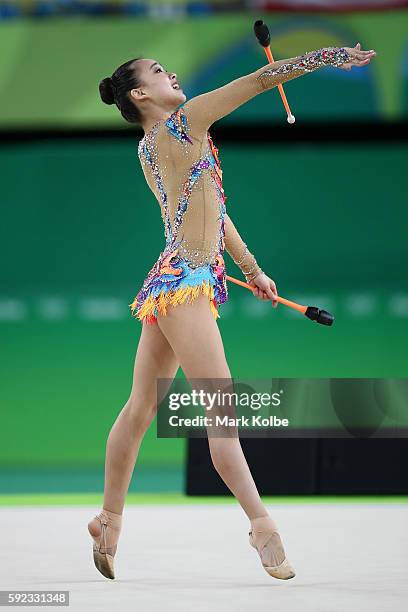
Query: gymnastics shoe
x: 104, y: 529
x: 264, y: 537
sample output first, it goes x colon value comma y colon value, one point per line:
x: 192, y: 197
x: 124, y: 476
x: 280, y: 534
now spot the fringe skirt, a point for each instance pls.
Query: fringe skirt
x: 171, y: 281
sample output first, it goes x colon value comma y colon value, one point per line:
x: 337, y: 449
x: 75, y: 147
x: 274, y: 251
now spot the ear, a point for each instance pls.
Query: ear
x: 138, y: 94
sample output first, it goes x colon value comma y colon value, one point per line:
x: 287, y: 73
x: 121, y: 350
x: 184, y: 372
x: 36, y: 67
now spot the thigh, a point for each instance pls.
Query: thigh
x: 154, y: 359
x: 195, y: 338
x: 194, y: 335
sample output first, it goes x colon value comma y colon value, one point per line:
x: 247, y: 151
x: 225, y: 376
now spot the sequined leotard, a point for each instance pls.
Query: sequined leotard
x: 182, y: 168
x: 193, y: 214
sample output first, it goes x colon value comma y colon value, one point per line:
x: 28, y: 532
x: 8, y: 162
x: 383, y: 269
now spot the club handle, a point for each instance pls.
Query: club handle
x: 280, y: 299
x: 311, y: 312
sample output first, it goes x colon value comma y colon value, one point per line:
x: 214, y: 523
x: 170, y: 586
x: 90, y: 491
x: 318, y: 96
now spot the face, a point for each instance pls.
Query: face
x: 158, y: 84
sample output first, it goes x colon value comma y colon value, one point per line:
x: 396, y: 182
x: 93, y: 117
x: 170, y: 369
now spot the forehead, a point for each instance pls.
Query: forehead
x: 150, y: 63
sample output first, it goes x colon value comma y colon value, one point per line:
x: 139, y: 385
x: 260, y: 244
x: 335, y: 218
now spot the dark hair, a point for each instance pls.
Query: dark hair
x: 115, y: 90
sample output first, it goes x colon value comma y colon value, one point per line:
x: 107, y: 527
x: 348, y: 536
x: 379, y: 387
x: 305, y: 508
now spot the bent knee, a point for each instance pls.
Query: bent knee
x: 141, y: 412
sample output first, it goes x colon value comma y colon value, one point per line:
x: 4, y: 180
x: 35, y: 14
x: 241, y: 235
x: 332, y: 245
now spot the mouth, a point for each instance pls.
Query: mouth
x: 176, y: 86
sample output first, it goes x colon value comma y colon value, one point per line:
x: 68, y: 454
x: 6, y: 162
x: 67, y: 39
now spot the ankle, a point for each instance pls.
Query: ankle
x: 112, y: 519
x: 263, y: 524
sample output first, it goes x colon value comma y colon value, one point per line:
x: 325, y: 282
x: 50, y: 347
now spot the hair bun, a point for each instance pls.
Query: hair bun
x: 106, y: 91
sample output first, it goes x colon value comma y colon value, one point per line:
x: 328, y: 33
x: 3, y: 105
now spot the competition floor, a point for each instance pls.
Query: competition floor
x: 349, y: 556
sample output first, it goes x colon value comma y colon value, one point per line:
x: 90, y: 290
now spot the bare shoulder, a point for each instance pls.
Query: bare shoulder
x: 191, y: 120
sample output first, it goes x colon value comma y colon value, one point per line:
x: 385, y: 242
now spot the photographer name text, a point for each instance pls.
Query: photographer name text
x: 243, y: 421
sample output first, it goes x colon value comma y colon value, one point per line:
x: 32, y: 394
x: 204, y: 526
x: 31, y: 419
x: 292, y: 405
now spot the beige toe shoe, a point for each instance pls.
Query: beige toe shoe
x: 264, y: 537
x: 104, y: 545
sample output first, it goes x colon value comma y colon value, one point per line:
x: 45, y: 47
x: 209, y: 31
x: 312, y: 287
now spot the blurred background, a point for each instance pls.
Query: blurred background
x: 322, y: 205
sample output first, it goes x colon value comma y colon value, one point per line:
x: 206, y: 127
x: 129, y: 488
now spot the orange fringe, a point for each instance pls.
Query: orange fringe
x: 172, y: 298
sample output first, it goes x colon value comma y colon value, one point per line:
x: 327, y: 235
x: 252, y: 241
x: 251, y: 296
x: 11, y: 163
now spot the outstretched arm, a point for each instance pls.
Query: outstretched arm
x: 205, y: 109
x: 237, y: 248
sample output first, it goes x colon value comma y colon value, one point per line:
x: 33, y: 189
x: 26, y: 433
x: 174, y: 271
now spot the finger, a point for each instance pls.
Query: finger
x: 360, y: 50
x: 367, y: 54
x: 359, y: 62
x: 270, y: 293
x: 274, y: 295
x: 274, y: 291
x: 274, y: 299
x: 358, y: 55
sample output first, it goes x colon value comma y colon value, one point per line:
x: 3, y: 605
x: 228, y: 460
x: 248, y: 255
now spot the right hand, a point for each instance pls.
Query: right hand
x: 264, y: 288
x: 358, y: 57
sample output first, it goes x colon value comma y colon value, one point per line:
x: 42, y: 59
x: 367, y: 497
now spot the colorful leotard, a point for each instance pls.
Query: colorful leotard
x: 182, y: 168
x: 192, y: 260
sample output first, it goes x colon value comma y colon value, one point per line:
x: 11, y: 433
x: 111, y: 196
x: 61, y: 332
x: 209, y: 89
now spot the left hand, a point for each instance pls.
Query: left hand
x: 264, y: 288
x: 358, y: 57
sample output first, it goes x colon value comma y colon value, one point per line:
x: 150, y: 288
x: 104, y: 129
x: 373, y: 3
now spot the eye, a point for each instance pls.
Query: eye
x: 157, y: 69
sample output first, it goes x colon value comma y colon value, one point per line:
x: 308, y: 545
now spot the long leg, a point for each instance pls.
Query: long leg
x: 154, y: 359
x: 205, y: 359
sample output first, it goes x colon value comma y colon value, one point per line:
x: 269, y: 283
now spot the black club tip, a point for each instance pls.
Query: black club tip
x: 320, y: 316
x: 262, y: 33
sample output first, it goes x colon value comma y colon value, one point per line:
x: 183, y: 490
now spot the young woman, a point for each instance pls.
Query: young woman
x: 178, y: 302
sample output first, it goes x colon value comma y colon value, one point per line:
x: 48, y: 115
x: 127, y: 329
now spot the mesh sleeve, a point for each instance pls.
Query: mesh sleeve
x: 284, y: 70
x: 239, y: 251
x: 205, y: 109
